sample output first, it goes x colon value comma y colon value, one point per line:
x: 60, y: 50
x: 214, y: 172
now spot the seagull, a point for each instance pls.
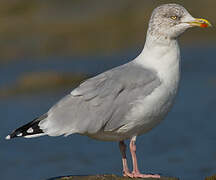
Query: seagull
x: 128, y: 100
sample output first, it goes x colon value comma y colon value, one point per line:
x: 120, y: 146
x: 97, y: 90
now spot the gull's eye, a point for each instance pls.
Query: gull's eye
x: 174, y: 17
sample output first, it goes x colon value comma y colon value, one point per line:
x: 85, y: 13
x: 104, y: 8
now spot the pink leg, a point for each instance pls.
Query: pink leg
x: 122, y: 148
x: 136, y: 173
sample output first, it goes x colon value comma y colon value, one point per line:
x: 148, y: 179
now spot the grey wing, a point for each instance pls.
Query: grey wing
x: 100, y: 103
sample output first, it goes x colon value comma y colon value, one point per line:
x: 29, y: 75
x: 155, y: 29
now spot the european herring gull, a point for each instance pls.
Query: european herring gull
x: 129, y: 100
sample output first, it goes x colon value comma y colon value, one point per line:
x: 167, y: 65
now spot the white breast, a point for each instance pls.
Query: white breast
x: 149, y: 111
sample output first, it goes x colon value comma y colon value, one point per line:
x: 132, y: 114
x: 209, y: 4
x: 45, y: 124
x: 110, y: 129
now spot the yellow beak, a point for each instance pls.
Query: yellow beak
x: 200, y: 23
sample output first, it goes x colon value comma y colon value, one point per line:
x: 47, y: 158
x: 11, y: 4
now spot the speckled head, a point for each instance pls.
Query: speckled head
x: 171, y: 20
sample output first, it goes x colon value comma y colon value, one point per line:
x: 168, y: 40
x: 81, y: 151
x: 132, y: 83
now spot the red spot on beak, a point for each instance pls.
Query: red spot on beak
x: 203, y: 25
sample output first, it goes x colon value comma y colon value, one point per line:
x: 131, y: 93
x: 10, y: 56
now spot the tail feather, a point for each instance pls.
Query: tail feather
x: 29, y: 130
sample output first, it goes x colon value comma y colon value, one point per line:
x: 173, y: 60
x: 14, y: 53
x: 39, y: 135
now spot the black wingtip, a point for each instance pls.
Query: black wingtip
x: 29, y: 129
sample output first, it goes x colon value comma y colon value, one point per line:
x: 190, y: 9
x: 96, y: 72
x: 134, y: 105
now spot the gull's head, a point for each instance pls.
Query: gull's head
x: 171, y: 20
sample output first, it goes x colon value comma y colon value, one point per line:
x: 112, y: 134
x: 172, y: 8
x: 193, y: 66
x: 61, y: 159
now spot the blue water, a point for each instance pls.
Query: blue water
x: 184, y: 145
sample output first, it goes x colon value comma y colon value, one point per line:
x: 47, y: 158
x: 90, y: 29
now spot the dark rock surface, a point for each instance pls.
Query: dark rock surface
x: 106, y: 177
x: 213, y: 177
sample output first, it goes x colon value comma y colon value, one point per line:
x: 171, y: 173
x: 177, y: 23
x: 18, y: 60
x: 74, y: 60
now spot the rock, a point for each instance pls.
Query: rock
x: 211, y: 177
x: 106, y: 177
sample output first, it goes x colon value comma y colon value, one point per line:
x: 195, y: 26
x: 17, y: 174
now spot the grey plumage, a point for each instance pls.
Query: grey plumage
x: 116, y: 101
x: 100, y: 103
x: 129, y: 100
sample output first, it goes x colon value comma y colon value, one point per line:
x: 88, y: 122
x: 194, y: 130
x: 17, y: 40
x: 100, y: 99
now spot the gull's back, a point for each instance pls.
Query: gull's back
x: 101, y: 103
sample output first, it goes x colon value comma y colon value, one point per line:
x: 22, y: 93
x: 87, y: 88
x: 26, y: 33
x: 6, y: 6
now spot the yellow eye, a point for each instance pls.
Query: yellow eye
x: 174, y: 17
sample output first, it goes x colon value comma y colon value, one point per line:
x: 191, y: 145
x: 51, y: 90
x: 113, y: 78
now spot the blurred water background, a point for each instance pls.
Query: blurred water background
x: 49, y: 47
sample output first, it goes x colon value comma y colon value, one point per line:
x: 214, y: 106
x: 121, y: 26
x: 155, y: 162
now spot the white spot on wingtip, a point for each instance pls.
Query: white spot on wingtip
x: 20, y: 134
x: 30, y: 130
x: 7, y: 137
x: 34, y: 135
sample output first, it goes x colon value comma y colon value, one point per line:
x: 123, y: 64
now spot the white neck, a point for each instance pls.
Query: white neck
x: 161, y: 55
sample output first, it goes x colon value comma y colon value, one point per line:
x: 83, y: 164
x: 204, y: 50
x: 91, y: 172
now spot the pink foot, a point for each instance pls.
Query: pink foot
x: 128, y: 174
x: 139, y: 175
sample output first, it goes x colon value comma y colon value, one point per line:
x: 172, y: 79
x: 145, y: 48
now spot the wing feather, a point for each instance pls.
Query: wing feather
x: 101, y: 102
